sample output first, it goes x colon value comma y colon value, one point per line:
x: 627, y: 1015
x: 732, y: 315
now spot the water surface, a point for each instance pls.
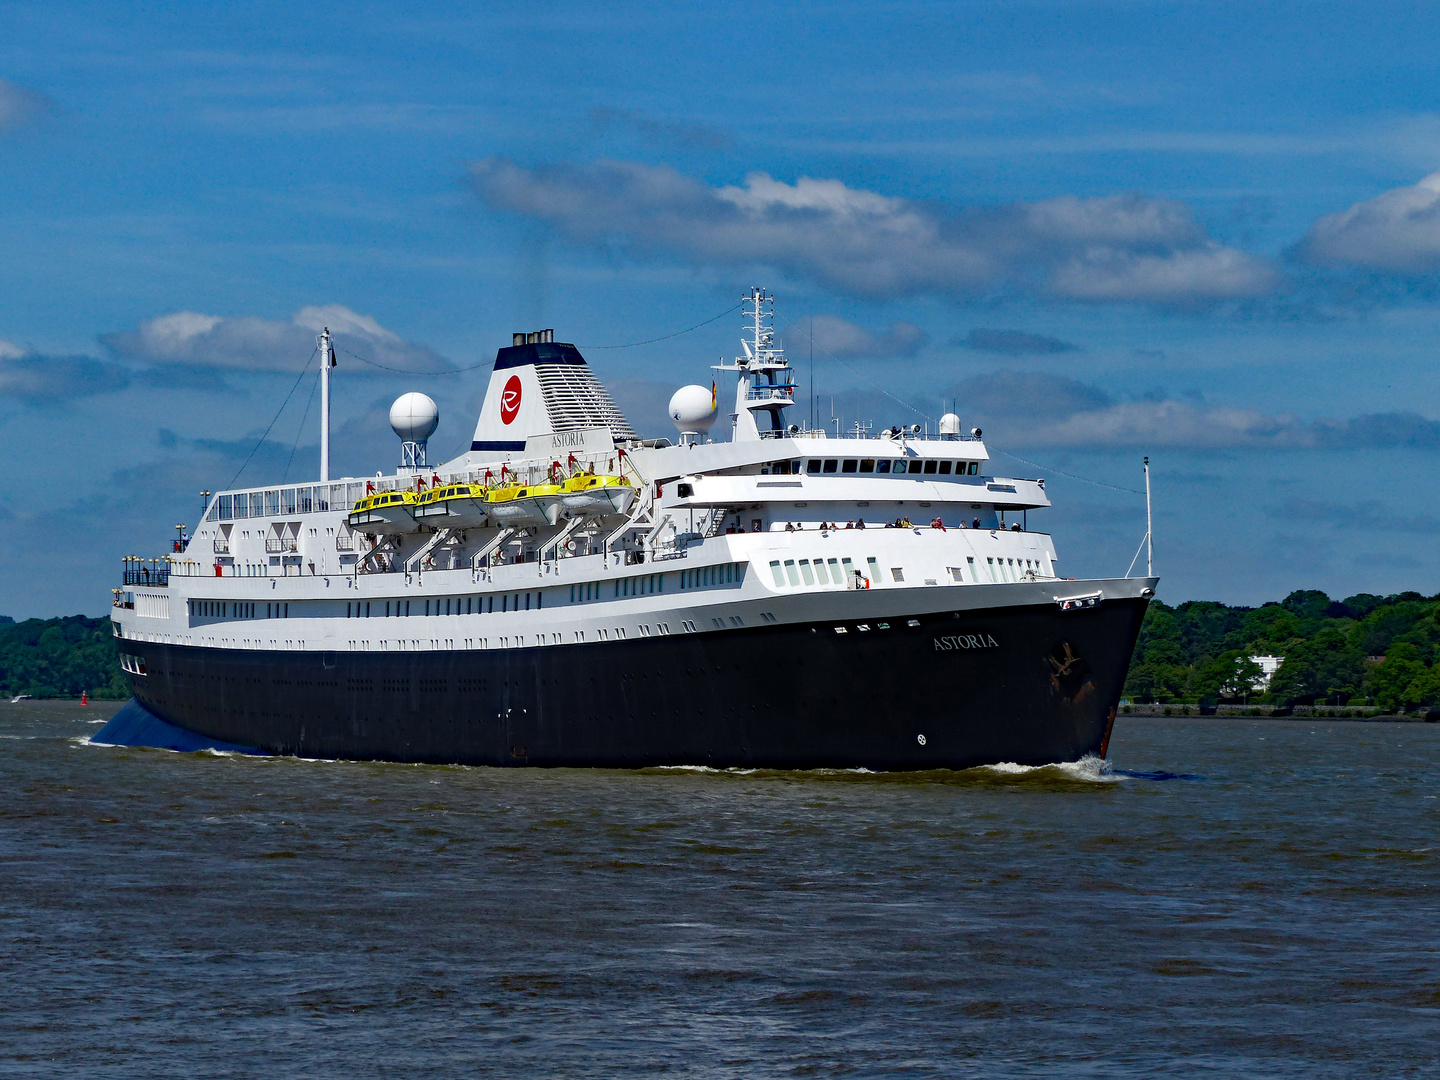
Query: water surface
x: 1248, y: 897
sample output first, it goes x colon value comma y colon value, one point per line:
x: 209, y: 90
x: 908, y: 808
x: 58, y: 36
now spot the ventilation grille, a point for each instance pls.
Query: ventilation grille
x: 575, y: 398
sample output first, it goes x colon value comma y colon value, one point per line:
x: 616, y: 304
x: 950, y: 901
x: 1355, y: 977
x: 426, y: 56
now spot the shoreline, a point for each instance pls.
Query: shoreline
x: 1355, y: 714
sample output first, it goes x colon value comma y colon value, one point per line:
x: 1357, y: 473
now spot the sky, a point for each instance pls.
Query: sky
x: 1206, y: 233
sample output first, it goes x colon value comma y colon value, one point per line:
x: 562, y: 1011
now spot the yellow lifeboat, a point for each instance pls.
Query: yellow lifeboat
x: 587, y: 494
x: 385, y: 513
x: 453, y: 506
x: 525, y: 504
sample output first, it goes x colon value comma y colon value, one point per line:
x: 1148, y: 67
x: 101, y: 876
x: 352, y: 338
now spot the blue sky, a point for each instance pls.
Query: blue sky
x: 1197, y: 231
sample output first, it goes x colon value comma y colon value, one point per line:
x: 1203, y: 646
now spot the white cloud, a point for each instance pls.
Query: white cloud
x: 9, y: 351
x: 842, y: 338
x: 1115, y: 249
x: 1047, y: 410
x: 1397, y: 231
x: 252, y: 343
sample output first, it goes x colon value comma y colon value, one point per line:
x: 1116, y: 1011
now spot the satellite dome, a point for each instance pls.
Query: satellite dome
x: 949, y: 424
x: 692, y: 408
x: 414, y: 417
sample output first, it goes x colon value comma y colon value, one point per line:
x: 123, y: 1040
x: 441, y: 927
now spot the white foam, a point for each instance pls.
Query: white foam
x: 1089, y: 769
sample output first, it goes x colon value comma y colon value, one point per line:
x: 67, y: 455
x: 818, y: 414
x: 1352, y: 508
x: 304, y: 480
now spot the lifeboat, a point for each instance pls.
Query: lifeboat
x: 589, y: 495
x: 453, y: 506
x: 525, y: 504
x: 385, y: 513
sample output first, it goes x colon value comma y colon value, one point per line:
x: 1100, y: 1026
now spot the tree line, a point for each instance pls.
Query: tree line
x: 64, y: 657
x: 1378, y: 650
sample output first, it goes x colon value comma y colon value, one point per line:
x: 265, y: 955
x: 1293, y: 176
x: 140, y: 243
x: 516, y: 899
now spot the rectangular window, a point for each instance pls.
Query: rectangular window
x: 896, y: 574
x: 812, y: 466
x: 848, y: 578
x: 831, y: 464
x: 790, y: 572
x: 867, y: 465
x: 898, y: 467
x: 836, y: 576
x: 974, y: 468
x: 874, y: 570
x: 970, y: 561
x: 882, y: 466
x: 944, y: 468
x: 848, y: 465
x: 930, y: 466
x: 955, y: 574
x: 805, y: 571
x: 991, y: 564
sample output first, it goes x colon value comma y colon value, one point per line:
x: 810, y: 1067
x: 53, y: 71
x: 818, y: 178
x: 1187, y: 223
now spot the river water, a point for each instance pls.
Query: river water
x: 1242, y: 897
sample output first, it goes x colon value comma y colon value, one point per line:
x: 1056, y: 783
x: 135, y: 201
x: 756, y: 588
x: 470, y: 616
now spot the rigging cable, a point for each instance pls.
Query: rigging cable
x: 301, y: 429
x: 261, y: 443
x: 1062, y: 472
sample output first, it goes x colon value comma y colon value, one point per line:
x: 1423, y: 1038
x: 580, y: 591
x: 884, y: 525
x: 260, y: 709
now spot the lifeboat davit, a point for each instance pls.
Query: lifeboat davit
x: 453, y: 506
x: 385, y: 513
x: 525, y: 504
x: 589, y: 495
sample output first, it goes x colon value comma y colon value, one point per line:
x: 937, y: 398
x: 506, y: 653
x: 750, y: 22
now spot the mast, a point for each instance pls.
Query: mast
x: 327, y: 361
x: 1149, y: 528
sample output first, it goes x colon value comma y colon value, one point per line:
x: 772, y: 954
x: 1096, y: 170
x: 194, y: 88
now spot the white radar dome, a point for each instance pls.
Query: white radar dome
x: 693, y: 408
x: 949, y: 424
x: 414, y: 417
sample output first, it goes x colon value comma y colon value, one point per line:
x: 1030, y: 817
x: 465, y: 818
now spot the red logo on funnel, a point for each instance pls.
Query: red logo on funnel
x: 510, y: 400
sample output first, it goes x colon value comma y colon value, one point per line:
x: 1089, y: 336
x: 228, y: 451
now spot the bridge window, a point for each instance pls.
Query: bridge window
x: 898, y: 467
x: 882, y: 466
x: 867, y: 465
x: 830, y: 465
x: 849, y: 465
x: 944, y: 468
x: 813, y: 466
x: 930, y: 466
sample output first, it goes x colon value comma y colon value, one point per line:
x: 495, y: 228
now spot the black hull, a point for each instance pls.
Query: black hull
x: 1030, y: 685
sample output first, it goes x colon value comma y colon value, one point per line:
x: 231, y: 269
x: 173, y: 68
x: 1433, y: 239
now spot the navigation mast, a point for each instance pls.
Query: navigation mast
x: 327, y: 361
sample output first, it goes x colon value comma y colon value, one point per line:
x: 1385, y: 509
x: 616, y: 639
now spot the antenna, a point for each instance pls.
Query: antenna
x: 812, y: 373
x: 1149, y: 528
x: 327, y: 361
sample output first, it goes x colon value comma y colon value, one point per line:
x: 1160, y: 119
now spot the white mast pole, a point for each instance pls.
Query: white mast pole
x: 1149, y: 527
x: 327, y: 358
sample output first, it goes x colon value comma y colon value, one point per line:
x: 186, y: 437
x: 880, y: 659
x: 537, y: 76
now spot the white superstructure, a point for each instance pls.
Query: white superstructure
x: 775, y: 524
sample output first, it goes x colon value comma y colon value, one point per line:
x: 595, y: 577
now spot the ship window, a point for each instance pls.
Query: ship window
x: 685, y: 490
x: 830, y: 465
x: 955, y: 574
x: 805, y: 571
x: 779, y: 577
x: 790, y: 572
x: 849, y: 576
x: 527, y: 601
x: 874, y: 570
x: 867, y: 465
x: 944, y: 468
x: 882, y: 466
x: 991, y: 564
x: 896, y: 574
x: 974, y: 467
x: 504, y: 603
x: 898, y: 467
x: 970, y: 561
x: 930, y: 466
x: 835, y: 575
x: 849, y: 465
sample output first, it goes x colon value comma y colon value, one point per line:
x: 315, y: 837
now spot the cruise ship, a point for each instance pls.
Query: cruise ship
x: 756, y: 594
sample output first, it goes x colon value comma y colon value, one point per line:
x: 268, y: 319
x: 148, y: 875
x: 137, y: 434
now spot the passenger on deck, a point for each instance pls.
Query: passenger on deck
x: 849, y: 524
x: 938, y: 524
x: 860, y: 524
x: 977, y: 523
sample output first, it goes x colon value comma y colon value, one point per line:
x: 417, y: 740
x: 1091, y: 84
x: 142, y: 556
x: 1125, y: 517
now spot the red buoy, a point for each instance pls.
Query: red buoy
x: 84, y: 697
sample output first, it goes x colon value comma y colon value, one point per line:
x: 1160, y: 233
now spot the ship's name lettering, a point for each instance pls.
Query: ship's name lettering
x: 965, y: 641
x: 569, y: 438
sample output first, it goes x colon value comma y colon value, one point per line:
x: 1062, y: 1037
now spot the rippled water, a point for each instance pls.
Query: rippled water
x: 1242, y: 897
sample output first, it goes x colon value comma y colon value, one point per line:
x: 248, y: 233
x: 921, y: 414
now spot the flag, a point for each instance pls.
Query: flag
x: 714, y: 395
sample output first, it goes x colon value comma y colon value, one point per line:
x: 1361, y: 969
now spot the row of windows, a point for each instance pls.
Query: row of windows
x: 224, y: 609
x: 819, y: 572
x: 631, y: 586
x: 706, y: 576
x: 450, y: 605
x: 892, y: 466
